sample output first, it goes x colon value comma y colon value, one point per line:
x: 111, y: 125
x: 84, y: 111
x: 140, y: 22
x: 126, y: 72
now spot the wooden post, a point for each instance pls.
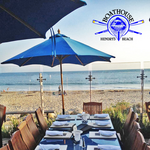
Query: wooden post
x: 142, y: 88
x: 90, y: 79
x: 41, y: 91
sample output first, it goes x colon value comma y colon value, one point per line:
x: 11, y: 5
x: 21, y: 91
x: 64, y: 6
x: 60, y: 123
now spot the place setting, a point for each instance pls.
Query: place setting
x: 51, y: 147
x: 103, y: 147
x: 102, y: 134
x: 100, y: 117
x: 62, y: 124
x: 65, y: 117
x: 57, y: 135
x: 100, y: 124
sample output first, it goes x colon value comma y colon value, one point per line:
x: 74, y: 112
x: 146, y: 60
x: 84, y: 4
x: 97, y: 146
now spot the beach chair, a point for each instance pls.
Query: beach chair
x: 33, y: 128
x: 129, y: 141
x: 92, y: 108
x: 41, y: 121
x: 139, y: 142
x: 16, y: 142
x: 6, y: 147
x: 2, y: 118
x: 147, y: 104
x: 27, y: 136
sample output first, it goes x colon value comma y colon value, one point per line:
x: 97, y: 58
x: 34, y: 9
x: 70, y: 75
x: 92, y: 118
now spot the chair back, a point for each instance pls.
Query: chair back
x: 27, y: 136
x: 2, y: 118
x: 131, y: 118
x: 139, y: 143
x: 134, y: 117
x: 147, y: 104
x: 92, y: 108
x: 6, y: 147
x: 2, y: 114
x: 33, y: 128
x: 16, y: 142
x: 129, y: 141
x: 41, y: 120
x: 127, y: 122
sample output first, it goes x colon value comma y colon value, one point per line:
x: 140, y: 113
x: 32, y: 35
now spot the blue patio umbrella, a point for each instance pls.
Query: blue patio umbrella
x: 25, y: 19
x: 59, y: 49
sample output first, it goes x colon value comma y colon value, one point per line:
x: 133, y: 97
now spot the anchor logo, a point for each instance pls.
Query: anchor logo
x: 118, y: 26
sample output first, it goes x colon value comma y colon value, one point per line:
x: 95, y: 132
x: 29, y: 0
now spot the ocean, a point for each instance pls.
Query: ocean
x: 74, y: 80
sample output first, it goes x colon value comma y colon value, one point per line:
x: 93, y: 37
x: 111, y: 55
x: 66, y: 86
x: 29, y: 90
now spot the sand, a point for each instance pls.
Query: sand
x: 31, y: 100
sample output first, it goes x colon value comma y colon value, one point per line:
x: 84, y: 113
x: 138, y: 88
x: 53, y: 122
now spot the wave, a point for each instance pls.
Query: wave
x: 75, y: 79
x: 70, y: 84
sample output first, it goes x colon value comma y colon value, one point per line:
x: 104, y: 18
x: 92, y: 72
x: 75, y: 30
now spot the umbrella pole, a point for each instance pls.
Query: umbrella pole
x: 62, y: 93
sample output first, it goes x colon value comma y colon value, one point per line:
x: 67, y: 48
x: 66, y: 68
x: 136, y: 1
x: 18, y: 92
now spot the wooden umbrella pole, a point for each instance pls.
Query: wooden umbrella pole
x: 62, y: 91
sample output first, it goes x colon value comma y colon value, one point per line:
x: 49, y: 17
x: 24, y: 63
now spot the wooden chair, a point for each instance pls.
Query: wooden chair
x: 131, y: 118
x: 33, y: 128
x: 27, y: 136
x: 128, y: 119
x: 139, y: 142
x: 6, y: 147
x: 41, y: 120
x: 134, y: 117
x: 16, y: 142
x: 147, y: 104
x: 92, y: 108
x: 131, y: 137
x: 2, y: 118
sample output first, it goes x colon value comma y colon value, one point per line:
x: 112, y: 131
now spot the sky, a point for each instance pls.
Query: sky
x: 78, y: 26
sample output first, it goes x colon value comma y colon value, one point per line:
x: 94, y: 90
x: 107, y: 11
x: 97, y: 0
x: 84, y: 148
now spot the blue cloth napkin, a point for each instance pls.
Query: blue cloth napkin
x: 101, y: 115
x: 108, y: 147
x: 60, y: 123
x: 49, y: 146
x: 54, y: 132
x: 102, y: 123
x: 107, y: 133
x: 63, y: 116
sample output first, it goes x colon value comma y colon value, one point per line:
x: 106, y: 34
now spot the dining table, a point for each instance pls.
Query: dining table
x: 90, y: 137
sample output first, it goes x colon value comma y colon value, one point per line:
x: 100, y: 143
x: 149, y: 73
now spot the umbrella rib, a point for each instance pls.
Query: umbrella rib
x: 79, y: 60
x: 104, y: 58
x: 53, y: 61
x: 21, y: 21
x: 26, y: 61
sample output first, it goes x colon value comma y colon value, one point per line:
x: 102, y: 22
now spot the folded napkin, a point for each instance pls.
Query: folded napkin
x: 108, y: 147
x: 107, y: 133
x: 49, y: 146
x: 60, y: 123
x: 101, y: 115
x: 63, y: 116
x: 102, y: 123
x: 54, y: 132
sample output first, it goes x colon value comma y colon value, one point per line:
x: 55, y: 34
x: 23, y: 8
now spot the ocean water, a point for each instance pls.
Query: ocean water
x: 74, y: 80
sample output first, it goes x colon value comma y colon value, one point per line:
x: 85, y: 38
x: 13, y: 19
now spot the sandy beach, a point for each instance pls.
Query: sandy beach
x: 30, y: 100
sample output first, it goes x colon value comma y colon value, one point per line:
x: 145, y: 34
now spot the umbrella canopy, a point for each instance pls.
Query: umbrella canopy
x: 58, y: 50
x: 26, y: 19
x: 66, y: 50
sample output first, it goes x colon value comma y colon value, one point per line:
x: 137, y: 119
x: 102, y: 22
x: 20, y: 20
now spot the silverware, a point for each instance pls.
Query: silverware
x: 83, y: 144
